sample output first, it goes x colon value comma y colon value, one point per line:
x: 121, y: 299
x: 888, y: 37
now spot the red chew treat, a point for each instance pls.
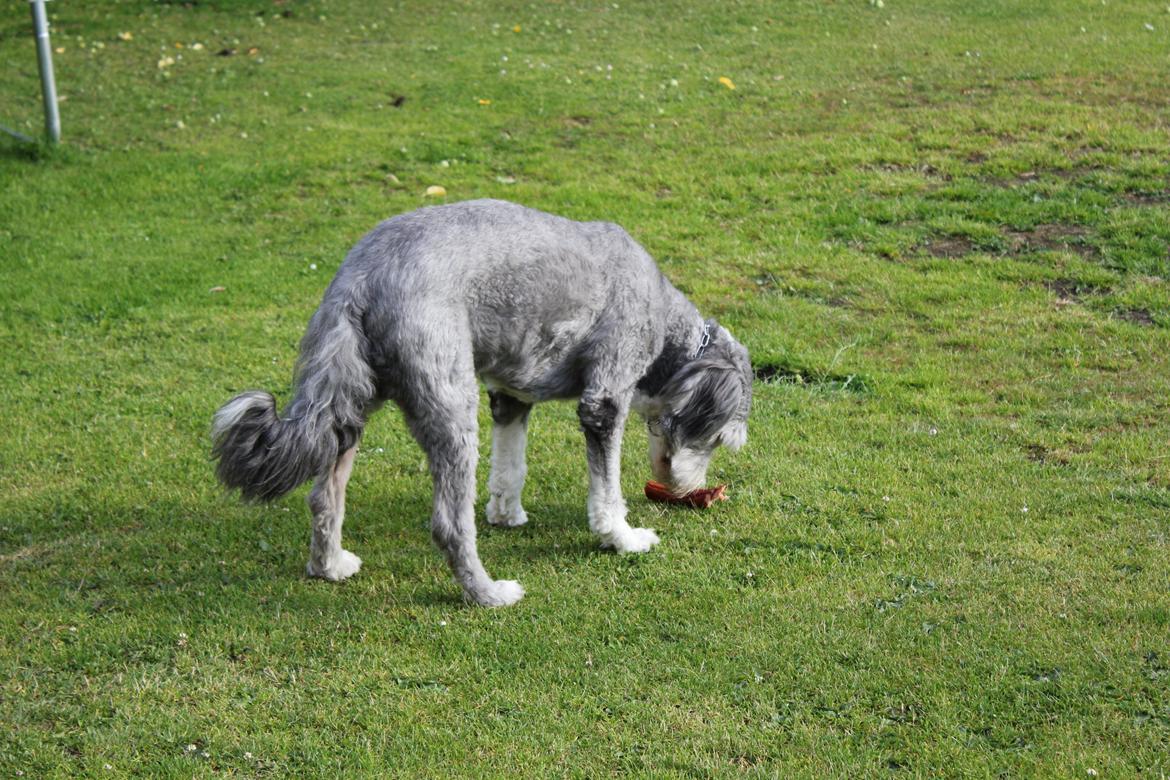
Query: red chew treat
x: 699, y: 499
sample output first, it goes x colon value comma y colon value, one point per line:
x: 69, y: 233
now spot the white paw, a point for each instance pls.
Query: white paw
x: 501, y: 593
x: 502, y: 512
x: 345, y: 565
x: 634, y: 540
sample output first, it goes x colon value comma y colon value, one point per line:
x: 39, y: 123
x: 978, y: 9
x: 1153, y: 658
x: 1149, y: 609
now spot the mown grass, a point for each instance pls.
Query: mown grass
x: 941, y: 228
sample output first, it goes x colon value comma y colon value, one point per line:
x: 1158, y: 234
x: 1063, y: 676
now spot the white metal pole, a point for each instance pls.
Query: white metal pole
x: 45, y: 61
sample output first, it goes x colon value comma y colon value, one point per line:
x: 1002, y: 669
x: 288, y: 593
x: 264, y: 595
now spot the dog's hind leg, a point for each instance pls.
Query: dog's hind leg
x: 603, y: 418
x: 509, y: 440
x: 440, y: 407
x: 327, y: 502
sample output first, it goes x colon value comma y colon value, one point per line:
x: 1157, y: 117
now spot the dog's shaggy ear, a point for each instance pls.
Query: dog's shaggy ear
x: 700, y: 401
x: 734, y: 436
x: 707, y: 401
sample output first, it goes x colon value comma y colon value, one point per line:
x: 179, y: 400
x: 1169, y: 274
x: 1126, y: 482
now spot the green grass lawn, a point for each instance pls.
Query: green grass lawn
x: 942, y: 229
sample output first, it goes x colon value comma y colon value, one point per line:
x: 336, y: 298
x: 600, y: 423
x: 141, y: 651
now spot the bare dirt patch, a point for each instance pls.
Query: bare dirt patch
x: 1148, y: 198
x: 1137, y: 316
x: 949, y: 246
x: 573, y: 129
x: 1050, y: 238
x: 1024, y: 178
x: 1072, y: 291
x: 1038, y: 453
x: 924, y: 169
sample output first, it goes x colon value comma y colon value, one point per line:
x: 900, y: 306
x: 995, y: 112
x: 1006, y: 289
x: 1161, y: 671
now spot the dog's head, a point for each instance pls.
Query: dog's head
x: 703, y: 405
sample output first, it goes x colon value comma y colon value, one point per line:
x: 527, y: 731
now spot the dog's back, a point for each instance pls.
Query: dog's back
x: 534, y: 292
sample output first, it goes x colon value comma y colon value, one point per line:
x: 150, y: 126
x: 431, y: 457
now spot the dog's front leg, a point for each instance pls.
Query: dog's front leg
x: 509, y: 440
x: 603, y: 418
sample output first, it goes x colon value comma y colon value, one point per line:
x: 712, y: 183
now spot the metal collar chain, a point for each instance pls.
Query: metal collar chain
x: 704, y: 340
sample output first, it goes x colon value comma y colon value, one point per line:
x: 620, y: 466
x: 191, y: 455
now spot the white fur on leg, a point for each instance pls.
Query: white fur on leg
x: 607, y: 519
x: 505, y: 512
x: 343, y: 566
x: 500, y: 593
x: 507, y: 475
x: 607, y: 509
x: 327, y: 559
x: 635, y: 540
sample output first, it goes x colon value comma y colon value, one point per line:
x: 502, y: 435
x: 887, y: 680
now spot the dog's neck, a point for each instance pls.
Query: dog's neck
x: 685, y: 340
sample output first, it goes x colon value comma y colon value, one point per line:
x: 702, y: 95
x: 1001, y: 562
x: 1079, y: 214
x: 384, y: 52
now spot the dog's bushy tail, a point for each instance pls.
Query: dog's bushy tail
x: 265, y: 455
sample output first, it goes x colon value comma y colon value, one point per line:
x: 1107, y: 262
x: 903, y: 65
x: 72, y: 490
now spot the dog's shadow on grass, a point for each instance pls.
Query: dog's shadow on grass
x: 241, y: 559
x: 559, y: 529
x: 556, y: 533
x: 250, y: 560
x: 397, y: 547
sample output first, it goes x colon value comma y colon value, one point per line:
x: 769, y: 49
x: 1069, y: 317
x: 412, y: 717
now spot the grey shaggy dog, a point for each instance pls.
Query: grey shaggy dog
x: 536, y: 306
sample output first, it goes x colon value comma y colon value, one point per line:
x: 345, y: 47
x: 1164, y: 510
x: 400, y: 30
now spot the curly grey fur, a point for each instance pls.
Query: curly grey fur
x: 537, y: 307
